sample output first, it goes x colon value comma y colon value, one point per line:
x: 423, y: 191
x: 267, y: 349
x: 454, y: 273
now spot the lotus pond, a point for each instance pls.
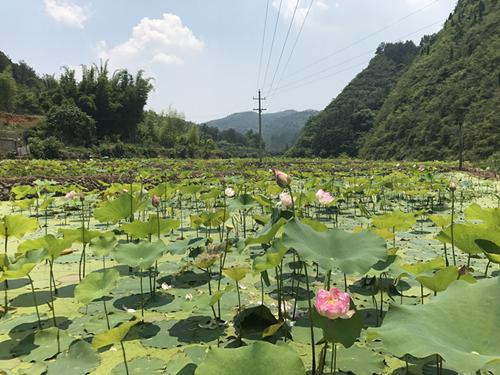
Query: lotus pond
x: 226, y: 267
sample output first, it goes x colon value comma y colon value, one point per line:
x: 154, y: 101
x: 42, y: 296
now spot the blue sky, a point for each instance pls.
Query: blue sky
x: 204, y: 54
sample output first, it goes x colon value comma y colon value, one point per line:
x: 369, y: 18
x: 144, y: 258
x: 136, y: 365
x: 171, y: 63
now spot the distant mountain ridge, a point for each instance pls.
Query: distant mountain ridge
x: 279, y: 130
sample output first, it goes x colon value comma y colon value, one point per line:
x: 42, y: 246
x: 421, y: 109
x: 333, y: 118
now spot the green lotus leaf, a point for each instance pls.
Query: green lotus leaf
x: 343, y: 331
x: 441, y: 221
x: 421, y: 267
x: 17, y: 226
x: 462, y: 325
x: 489, y: 216
x: 141, y: 229
x: 119, y: 208
x: 218, y: 294
x: 79, y: 359
x: 191, y: 189
x: 351, y: 252
x: 397, y: 220
x: 103, y: 244
x: 490, y: 249
x: 43, y: 344
x: 236, y: 273
x: 266, y: 234
x: 114, y: 335
x: 214, y: 218
x: 443, y: 278
x: 271, y: 259
x: 357, y: 360
x: 142, y: 365
x: 181, y: 246
x: 23, y: 265
x: 22, y: 191
x: 96, y: 285
x: 259, y: 358
x: 243, y: 202
x: 142, y: 254
x: 464, y: 236
x: 211, y: 195
x: 79, y: 235
x: 314, y: 224
x: 54, y: 246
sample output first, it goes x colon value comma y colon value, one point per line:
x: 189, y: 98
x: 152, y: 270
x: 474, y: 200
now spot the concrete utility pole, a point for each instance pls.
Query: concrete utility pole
x: 260, y: 109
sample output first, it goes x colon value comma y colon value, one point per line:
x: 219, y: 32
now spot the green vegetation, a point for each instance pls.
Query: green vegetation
x: 425, y: 108
x: 340, y: 127
x: 103, y: 114
x: 175, y: 269
x: 451, y: 91
x: 279, y: 130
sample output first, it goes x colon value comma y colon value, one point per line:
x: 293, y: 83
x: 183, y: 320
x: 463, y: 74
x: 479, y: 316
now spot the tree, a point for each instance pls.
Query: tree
x: 8, y: 90
x: 71, y: 125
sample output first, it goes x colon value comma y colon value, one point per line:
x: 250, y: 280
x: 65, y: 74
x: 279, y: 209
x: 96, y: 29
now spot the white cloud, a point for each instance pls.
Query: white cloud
x: 67, y: 13
x: 165, y: 40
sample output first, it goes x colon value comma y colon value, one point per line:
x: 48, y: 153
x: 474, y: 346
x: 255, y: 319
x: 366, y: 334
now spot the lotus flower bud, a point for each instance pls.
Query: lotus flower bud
x: 229, y: 192
x: 333, y: 304
x: 453, y: 186
x: 82, y: 196
x: 155, y: 201
x: 286, y: 200
x: 70, y: 195
x: 282, y: 179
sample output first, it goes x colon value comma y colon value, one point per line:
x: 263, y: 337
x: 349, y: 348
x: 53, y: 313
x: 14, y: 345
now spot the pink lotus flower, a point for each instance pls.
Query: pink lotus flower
x: 324, y: 197
x: 70, y: 196
x: 155, y: 201
x: 286, y: 200
x: 282, y: 179
x: 333, y: 304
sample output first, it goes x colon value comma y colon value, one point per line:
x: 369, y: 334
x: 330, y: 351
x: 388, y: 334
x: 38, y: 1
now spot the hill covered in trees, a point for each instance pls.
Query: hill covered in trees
x: 279, y: 130
x: 102, y: 114
x: 339, y: 128
x: 451, y: 90
x: 416, y: 103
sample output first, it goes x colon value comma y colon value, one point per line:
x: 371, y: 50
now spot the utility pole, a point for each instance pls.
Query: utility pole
x: 260, y: 109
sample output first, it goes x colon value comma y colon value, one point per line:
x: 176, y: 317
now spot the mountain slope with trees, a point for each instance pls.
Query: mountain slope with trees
x: 339, y: 128
x: 279, y: 130
x: 449, y: 94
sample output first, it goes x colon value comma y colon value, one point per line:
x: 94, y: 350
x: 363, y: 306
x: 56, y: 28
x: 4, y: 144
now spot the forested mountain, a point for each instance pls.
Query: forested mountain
x: 339, y: 128
x: 414, y: 102
x: 279, y: 130
x: 454, y: 83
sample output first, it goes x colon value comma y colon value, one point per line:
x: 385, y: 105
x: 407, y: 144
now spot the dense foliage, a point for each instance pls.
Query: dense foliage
x: 423, y: 107
x: 339, y: 129
x: 454, y: 84
x: 220, y: 267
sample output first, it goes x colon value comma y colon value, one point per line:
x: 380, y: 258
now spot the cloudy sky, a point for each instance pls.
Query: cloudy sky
x: 204, y: 55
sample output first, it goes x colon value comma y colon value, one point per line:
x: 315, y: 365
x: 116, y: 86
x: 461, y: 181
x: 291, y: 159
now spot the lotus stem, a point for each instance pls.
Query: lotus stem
x: 124, y: 358
x: 313, y: 343
x: 35, y: 301
x: 106, y: 312
x: 452, y: 227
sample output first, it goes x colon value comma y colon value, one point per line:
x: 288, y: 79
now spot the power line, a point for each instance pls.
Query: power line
x: 364, y: 38
x: 295, y: 43
x: 294, y: 84
x: 262, y: 45
x: 272, y: 42
x: 284, y: 44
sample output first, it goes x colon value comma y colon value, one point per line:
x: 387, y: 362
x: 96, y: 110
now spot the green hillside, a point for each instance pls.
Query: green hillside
x: 340, y: 127
x: 454, y: 83
x: 279, y: 130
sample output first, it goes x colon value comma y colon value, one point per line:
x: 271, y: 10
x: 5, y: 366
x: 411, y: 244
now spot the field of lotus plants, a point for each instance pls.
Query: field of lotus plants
x: 224, y: 267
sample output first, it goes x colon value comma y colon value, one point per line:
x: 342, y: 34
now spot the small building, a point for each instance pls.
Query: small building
x: 13, y: 148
